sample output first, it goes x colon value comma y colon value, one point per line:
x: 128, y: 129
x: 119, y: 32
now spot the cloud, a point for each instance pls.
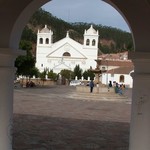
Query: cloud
x: 95, y: 11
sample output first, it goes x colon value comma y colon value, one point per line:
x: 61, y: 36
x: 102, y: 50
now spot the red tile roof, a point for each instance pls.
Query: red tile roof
x: 118, y: 56
x: 115, y: 63
x: 121, y: 70
x: 119, y: 60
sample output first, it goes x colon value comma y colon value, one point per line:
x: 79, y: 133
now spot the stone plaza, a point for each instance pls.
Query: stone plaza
x: 62, y: 118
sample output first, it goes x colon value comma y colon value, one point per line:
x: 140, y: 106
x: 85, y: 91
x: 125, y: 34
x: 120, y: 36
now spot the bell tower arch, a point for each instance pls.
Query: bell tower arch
x: 91, y: 38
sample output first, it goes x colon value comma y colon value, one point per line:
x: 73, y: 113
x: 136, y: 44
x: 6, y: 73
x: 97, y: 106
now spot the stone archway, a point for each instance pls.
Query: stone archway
x: 14, y: 16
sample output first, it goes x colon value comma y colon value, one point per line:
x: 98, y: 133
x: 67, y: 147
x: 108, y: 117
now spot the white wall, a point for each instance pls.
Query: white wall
x: 128, y: 81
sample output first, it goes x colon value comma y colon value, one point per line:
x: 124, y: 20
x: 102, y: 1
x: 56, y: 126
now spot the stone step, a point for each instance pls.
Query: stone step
x: 99, y: 96
x: 105, y: 94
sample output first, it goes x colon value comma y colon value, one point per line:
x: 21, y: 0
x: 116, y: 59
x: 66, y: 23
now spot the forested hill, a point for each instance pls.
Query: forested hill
x: 111, y: 40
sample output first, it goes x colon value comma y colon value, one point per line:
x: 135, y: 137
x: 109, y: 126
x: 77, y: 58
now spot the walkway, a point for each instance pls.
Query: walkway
x: 59, y: 118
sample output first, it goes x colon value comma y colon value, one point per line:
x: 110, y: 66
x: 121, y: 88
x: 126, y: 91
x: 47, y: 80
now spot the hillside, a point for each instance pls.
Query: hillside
x: 111, y: 40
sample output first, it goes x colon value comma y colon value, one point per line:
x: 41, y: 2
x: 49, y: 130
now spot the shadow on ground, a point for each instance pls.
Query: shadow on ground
x: 33, y: 132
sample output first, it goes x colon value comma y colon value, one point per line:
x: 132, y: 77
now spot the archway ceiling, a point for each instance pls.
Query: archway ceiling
x: 10, y: 10
x: 14, y: 15
x: 148, y: 1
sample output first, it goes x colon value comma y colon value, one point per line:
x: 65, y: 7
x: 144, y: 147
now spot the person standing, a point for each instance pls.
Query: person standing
x: 91, y: 86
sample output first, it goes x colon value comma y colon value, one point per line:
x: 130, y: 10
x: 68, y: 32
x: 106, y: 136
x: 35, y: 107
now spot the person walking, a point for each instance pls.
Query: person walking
x: 91, y: 86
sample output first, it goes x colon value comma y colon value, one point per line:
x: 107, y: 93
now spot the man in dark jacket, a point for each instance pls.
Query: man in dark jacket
x: 91, y: 86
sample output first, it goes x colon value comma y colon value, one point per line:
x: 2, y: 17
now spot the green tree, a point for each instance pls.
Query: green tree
x: 67, y: 74
x: 35, y: 72
x: 43, y: 75
x: 28, y: 35
x: 26, y: 45
x: 25, y: 64
x: 77, y: 72
x: 52, y: 75
x: 105, y: 49
x: 87, y: 74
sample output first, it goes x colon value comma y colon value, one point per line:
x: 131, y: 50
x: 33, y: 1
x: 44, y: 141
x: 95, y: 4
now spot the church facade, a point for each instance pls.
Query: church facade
x: 66, y: 53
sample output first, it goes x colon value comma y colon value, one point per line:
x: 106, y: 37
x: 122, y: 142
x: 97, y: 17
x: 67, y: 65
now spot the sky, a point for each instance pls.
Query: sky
x: 89, y: 11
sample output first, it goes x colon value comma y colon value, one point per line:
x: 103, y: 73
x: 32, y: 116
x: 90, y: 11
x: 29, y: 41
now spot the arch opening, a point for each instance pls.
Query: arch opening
x: 93, y: 43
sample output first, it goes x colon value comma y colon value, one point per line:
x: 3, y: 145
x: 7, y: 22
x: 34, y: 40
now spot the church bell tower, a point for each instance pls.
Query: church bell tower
x: 91, y: 38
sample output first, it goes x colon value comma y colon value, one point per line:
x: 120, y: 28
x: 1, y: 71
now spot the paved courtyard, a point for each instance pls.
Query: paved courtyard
x: 59, y: 118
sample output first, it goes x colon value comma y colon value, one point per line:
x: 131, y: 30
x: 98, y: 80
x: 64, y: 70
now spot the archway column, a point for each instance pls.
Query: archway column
x: 140, y: 112
x: 7, y: 71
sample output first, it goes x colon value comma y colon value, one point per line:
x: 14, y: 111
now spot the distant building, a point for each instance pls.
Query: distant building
x: 66, y: 53
x: 116, y: 68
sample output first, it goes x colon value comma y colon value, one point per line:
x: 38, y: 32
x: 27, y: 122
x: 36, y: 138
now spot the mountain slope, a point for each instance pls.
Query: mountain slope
x: 111, y: 40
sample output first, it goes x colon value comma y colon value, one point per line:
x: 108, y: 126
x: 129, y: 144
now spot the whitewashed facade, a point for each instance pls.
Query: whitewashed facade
x: 127, y: 79
x: 116, y: 68
x: 66, y: 53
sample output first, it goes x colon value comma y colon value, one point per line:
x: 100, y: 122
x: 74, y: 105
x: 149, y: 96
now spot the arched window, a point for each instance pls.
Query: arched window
x: 47, y: 41
x: 93, y: 42
x: 121, y: 78
x: 66, y: 54
x: 87, y: 42
x: 41, y: 41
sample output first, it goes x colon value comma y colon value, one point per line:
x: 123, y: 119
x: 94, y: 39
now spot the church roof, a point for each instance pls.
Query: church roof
x: 117, y: 56
x: 45, y: 30
x: 121, y: 63
x: 68, y: 40
x: 68, y: 44
x: 91, y: 30
x: 121, y: 70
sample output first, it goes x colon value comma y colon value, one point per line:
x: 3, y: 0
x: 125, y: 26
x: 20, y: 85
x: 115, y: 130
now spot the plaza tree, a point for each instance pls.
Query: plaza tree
x: 87, y: 74
x: 77, y: 72
x: 51, y: 75
x: 43, y: 75
x: 66, y: 75
x: 26, y: 64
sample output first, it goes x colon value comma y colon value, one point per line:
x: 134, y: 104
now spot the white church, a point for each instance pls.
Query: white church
x: 66, y: 53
